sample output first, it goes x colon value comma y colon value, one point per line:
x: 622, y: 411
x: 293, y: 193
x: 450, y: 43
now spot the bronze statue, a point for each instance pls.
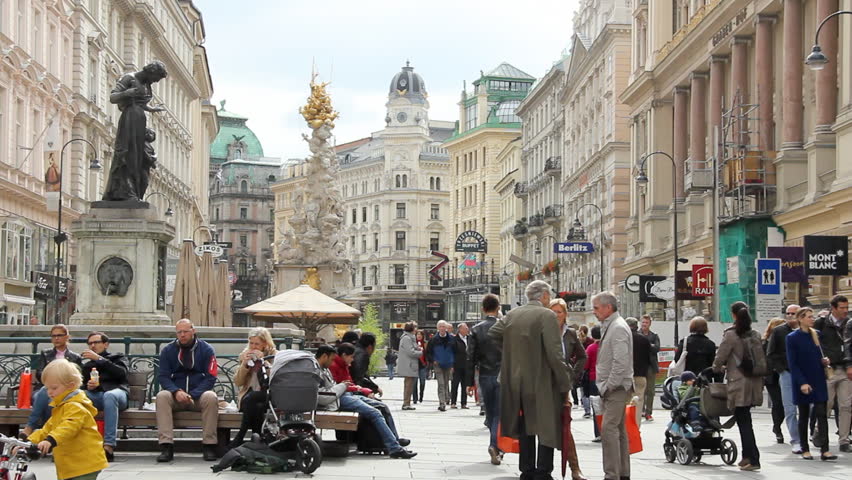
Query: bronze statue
x: 130, y: 169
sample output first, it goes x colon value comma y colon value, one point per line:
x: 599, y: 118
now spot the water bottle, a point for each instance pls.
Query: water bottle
x: 95, y: 376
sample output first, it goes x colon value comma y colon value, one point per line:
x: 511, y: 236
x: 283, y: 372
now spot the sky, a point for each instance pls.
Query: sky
x: 261, y: 54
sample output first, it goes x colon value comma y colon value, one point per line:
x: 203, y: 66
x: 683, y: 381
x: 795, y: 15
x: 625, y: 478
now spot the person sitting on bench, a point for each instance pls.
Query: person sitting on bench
x: 370, y: 409
x: 109, y: 391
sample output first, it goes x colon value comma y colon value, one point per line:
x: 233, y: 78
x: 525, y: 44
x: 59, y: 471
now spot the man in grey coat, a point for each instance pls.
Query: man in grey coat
x: 534, y: 380
x: 615, y: 383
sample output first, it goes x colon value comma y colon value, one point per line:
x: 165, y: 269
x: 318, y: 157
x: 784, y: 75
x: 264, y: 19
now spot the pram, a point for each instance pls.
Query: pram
x: 292, y: 391
x: 686, y: 442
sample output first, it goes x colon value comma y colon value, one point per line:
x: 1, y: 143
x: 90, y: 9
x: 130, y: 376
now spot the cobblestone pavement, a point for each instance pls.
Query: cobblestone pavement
x: 452, y: 445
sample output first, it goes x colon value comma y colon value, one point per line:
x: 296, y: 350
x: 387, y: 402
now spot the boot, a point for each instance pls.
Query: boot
x: 167, y: 454
x: 574, y: 463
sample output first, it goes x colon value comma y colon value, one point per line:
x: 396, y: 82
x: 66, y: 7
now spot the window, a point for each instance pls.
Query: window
x: 271, y: 238
x: 405, y: 181
x: 471, y: 116
x: 400, y: 210
x: 352, y: 242
x: 364, y: 214
x: 271, y: 215
x: 436, y: 210
x: 398, y: 181
x: 431, y: 183
x: 506, y: 111
x: 243, y: 213
x: 243, y: 186
x: 363, y: 244
x: 243, y: 268
x: 400, y: 240
x: 363, y: 276
x: 354, y: 216
x: 16, y: 248
x: 217, y: 213
x: 435, y: 241
x: 375, y: 242
x: 376, y: 213
x: 374, y: 275
x: 399, y: 274
x: 437, y: 183
x: 244, y: 241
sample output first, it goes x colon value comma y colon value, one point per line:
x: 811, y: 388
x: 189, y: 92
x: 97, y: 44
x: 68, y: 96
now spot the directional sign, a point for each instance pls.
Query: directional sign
x: 573, y: 247
x: 702, y: 280
x: 768, y: 272
x: 221, y: 244
x: 434, y: 270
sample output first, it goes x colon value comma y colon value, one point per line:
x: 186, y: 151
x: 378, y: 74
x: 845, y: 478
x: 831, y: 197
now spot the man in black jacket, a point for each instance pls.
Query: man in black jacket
x: 361, y: 364
x: 832, y: 328
x: 40, y: 412
x: 776, y: 355
x: 641, y: 364
x: 484, y: 354
x: 109, y: 390
x: 460, y: 342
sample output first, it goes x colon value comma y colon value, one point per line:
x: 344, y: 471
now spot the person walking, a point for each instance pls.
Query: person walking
x: 483, y: 354
x: 773, y: 384
x: 810, y: 389
x: 701, y: 350
x: 832, y: 327
x: 535, y: 381
x: 460, y: 367
x: 391, y: 358
x: 409, y: 360
x: 776, y: 355
x: 653, y: 367
x: 422, y: 367
x: 615, y: 383
x: 440, y: 352
x: 641, y: 361
x: 744, y: 391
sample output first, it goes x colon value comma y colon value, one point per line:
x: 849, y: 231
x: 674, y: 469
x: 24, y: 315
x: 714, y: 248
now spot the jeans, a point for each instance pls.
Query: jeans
x: 459, y: 379
x: 41, y: 409
x: 785, y: 379
x: 110, y: 403
x: 490, y: 390
x: 693, y: 412
x: 749, y: 445
x: 390, y: 371
x: 423, y: 372
x: 352, y: 403
x: 820, y: 414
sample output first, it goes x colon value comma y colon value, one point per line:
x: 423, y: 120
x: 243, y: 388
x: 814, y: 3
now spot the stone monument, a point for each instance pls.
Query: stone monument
x: 314, y: 251
x: 122, y: 242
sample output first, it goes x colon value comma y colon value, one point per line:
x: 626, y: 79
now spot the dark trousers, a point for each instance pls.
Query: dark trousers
x: 749, y: 445
x: 818, y: 414
x: 533, y: 461
x: 489, y: 388
x: 459, y: 379
x: 423, y: 373
x: 774, y: 391
x: 253, y: 405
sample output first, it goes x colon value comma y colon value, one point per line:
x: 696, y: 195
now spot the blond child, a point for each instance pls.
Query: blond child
x: 71, y: 431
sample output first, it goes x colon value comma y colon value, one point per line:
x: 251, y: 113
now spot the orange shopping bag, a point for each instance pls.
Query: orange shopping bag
x: 25, y: 390
x: 507, y: 444
x: 634, y: 438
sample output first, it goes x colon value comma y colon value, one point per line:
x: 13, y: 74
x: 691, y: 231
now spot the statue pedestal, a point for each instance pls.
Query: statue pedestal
x: 121, y: 266
x: 334, y: 284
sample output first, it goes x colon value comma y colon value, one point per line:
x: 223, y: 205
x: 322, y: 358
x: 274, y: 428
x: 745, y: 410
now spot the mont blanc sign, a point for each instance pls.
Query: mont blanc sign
x: 825, y: 255
x: 471, y: 241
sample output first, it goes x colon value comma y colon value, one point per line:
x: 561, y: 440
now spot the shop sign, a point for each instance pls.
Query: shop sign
x: 400, y: 308
x: 631, y: 283
x: 729, y: 26
x: 792, y: 263
x: 573, y: 247
x: 471, y: 241
x: 664, y: 289
x: 214, y: 250
x: 396, y: 287
x: 826, y: 255
x: 44, y: 283
x: 702, y: 280
x: 646, y: 285
x: 684, y: 282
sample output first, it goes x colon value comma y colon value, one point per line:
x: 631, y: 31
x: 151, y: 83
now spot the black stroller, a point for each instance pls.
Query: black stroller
x: 286, y: 433
x: 687, y: 441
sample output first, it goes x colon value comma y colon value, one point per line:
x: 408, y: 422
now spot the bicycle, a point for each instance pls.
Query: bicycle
x: 15, y: 466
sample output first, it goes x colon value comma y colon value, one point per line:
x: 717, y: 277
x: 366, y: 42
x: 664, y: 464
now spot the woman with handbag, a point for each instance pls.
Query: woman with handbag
x: 810, y: 389
x: 744, y: 390
x: 699, y: 350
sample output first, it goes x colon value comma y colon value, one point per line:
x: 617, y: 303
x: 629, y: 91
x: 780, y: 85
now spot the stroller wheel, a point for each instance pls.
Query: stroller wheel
x: 684, y: 451
x: 309, y: 455
x: 729, y: 451
x: 669, y: 450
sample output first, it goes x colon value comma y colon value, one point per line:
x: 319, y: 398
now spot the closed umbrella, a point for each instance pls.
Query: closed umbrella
x: 224, y: 294
x: 186, y: 295
x: 206, y: 278
x: 568, y: 447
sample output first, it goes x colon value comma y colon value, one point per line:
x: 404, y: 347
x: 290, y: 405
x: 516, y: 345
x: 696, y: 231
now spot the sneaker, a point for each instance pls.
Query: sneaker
x: 596, y: 440
x: 408, y: 407
x: 587, y: 415
x: 797, y: 450
x: 649, y: 418
x: 495, y: 455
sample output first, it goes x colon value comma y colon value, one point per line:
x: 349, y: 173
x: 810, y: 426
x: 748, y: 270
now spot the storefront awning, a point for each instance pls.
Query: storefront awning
x: 18, y: 299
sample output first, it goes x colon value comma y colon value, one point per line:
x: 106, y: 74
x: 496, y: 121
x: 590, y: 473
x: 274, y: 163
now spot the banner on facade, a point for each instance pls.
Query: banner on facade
x: 45, y: 283
x: 792, y: 263
x: 646, y: 285
x: 826, y: 255
x: 702, y: 280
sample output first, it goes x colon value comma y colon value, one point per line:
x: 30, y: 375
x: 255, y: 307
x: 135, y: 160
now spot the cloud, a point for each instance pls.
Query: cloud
x: 261, y: 56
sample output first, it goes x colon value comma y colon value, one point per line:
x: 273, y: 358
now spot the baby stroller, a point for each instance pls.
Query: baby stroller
x: 687, y: 441
x: 292, y: 383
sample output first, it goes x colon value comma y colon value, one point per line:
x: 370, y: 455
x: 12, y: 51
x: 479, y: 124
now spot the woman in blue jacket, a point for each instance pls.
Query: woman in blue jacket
x: 806, y: 362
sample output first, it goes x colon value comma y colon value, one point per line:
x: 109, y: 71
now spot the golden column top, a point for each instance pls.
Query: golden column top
x: 318, y: 111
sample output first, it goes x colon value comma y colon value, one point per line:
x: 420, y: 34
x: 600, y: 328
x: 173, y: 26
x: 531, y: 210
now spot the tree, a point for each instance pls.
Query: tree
x: 370, y: 323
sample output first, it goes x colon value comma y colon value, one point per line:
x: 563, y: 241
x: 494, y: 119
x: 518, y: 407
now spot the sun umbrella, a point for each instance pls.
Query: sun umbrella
x: 305, y: 307
x: 186, y: 294
x: 568, y: 447
x: 224, y: 294
x: 207, y: 313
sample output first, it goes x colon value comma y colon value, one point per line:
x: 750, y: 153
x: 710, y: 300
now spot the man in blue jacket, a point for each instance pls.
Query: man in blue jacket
x: 440, y: 352
x: 188, y: 372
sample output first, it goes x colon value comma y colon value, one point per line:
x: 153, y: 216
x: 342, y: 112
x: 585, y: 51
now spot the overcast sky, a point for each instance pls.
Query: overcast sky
x: 261, y: 52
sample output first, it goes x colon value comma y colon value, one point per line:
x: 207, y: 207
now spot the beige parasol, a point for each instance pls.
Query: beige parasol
x: 305, y: 307
x: 224, y: 297
x: 206, y: 279
x: 186, y: 295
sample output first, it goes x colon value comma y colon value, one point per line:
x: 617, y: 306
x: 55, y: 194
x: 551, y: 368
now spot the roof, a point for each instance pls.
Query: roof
x: 232, y: 127
x: 506, y: 70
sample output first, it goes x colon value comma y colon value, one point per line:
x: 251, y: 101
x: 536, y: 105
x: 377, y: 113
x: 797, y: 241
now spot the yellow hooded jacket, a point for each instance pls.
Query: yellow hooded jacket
x: 78, y: 447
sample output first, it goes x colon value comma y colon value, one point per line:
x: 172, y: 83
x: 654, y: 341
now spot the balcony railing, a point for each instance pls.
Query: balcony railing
x: 481, y: 279
x: 236, y: 190
x: 536, y: 222
x: 553, y: 166
x: 521, y: 189
x: 552, y: 213
x: 520, y: 230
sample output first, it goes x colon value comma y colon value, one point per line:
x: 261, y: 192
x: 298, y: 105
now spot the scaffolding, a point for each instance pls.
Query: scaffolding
x: 747, y: 174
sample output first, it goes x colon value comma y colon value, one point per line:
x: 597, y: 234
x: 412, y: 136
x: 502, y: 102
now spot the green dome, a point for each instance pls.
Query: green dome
x: 233, y: 127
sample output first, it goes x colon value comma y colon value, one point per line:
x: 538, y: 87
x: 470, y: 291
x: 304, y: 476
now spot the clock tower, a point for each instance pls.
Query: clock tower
x: 408, y: 105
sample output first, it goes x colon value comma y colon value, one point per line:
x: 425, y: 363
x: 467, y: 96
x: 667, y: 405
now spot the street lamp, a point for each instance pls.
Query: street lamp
x: 817, y: 60
x: 211, y: 232
x: 61, y: 236
x: 642, y: 179
x: 169, y: 211
x: 580, y: 232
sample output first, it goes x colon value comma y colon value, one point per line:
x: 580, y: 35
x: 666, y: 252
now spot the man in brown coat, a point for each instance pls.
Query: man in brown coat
x: 535, y: 381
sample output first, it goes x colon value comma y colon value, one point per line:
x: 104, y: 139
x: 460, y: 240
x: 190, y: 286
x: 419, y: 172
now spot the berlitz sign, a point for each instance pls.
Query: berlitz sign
x: 825, y: 255
x: 573, y: 247
x: 471, y: 241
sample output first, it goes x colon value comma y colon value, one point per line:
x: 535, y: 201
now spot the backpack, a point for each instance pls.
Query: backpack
x: 253, y: 457
x: 754, y: 362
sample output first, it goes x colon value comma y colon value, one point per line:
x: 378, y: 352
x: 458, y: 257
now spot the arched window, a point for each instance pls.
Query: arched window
x: 243, y: 271
x: 218, y: 186
x: 398, y: 183
x: 405, y: 181
x: 431, y: 183
x: 244, y: 187
x: 238, y: 154
x: 437, y: 183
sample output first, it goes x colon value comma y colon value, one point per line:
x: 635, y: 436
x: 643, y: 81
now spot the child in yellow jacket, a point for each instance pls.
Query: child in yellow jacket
x: 71, y: 432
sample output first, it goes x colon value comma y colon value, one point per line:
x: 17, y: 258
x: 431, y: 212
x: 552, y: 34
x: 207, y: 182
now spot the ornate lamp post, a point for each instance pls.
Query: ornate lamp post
x: 817, y: 60
x: 580, y: 232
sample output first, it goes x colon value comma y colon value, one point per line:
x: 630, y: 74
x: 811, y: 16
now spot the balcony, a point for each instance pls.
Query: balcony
x: 536, y: 223
x: 521, y: 189
x: 552, y: 213
x: 553, y: 166
x: 520, y: 230
x: 697, y: 177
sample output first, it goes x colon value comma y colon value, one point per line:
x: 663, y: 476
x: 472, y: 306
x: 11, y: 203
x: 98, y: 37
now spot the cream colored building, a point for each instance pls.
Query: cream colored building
x: 736, y: 69
x: 595, y: 170
x: 488, y: 122
x: 511, y: 210
x: 58, y: 63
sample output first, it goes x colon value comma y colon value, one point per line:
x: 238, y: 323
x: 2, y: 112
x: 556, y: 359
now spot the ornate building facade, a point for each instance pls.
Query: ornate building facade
x: 395, y: 187
x: 58, y: 62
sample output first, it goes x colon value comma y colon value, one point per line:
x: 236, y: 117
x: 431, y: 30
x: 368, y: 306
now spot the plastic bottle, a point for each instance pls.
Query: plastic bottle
x: 95, y: 376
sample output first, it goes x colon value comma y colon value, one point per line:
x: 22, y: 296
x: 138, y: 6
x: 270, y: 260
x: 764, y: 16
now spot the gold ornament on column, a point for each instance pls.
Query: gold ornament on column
x: 312, y: 278
x: 318, y: 111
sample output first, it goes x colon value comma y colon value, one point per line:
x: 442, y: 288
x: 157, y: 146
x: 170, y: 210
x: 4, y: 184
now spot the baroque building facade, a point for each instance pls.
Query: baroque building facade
x: 395, y: 188
x: 58, y: 62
